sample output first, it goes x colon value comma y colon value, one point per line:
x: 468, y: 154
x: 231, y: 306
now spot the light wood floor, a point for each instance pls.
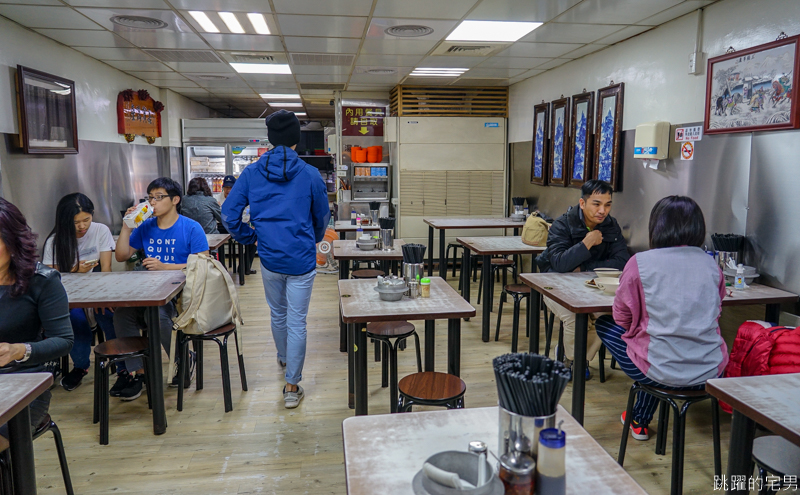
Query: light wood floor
x: 260, y: 447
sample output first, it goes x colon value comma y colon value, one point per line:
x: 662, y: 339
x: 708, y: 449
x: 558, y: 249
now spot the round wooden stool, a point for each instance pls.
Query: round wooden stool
x: 518, y: 292
x: 431, y: 388
x: 384, y: 332
x: 106, y: 354
x: 361, y: 274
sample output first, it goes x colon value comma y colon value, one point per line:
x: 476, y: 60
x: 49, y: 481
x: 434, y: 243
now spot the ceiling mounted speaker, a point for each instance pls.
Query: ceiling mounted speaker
x: 409, y: 31
x: 138, y: 22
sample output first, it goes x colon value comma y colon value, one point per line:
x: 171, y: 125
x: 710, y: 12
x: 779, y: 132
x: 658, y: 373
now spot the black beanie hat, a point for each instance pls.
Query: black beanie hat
x: 283, y: 128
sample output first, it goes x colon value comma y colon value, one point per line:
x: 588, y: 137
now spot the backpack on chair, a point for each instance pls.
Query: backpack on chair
x: 209, y: 300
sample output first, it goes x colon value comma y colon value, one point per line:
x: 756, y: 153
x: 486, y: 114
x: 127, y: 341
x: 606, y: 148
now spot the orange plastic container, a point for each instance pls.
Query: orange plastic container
x: 354, y: 154
x: 374, y: 154
x: 361, y: 155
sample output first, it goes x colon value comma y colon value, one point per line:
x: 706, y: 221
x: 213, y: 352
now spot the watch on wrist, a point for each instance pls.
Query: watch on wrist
x: 27, y: 354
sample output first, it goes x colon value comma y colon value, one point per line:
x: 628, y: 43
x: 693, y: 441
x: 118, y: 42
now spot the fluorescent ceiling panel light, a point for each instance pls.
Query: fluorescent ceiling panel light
x: 300, y: 113
x: 262, y: 68
x: 204, y: 21
x: 279, y: 96
x: 438, y: 72
x: 284, y: 104
x: 492, y: 31
x: 259, y: 23
x: 232, y: 22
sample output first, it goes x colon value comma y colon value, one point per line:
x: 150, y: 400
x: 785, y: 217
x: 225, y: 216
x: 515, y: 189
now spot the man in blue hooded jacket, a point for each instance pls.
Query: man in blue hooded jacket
x: 289, y: 209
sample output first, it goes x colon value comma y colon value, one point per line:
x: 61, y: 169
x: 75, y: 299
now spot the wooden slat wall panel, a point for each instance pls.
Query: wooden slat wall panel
x: 498, y: 189
x: 411, y: 193
x: 439, y: 101
x: 480, y: 193
x: 434, y: 194
x: 458, y: 193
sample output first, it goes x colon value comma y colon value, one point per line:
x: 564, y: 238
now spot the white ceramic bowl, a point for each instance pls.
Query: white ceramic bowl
x: 608, y: 284
x: 607, y: 272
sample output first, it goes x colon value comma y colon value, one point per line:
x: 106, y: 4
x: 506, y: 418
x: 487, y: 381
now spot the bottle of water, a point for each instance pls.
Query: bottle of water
x: 739, y: 281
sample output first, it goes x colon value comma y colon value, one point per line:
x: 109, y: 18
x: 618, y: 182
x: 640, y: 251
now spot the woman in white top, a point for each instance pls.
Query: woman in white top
x: 79, y: 245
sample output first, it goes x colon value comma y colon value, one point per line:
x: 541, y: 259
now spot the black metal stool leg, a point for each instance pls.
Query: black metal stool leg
x: 419, y: 353
x: 104, y: 408
x: 180, y: 342
x: 198, y: 365
x: 678, y: 428
x: 715, y: 434
x: 226, y: 373
x: 499, y: 315
x: 240, y: 357
x: 377, y: 346
x: 97, y: 391
x: 62, y: 457
x: 627, y: 426
x: 515, y: 324
x: 392, y: 357
x: 663, y: 428
x: 384, y: 363
x: 602, y: 359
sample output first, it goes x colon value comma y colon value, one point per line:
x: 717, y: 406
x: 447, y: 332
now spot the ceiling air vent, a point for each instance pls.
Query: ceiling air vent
x: 469, y: 49
x: 322, y: 59
x: 206, y: 56
x: 332, y: 87
x: 409, y: 31
x: 138, y: 22
x: 376, y: 71
x: 253, y: 58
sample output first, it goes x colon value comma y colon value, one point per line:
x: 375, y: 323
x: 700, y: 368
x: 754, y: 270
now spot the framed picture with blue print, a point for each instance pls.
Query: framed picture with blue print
x: 608, y: 135
x: 580, y: 138
x: 559, y: 150
x: 539, y: 148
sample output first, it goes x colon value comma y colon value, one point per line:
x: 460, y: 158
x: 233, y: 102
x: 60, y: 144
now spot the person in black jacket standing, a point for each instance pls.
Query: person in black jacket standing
x: 582, y: 239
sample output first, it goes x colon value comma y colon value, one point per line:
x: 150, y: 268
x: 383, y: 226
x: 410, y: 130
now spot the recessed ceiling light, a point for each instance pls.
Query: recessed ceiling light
x: 204, y: 21
x: 280, y: 96
x: 232, y: 22
x: 438, y: 72
x: 262, y: 68
x: 284, y: 104
x: 259, y: 23
x: 492, y: 31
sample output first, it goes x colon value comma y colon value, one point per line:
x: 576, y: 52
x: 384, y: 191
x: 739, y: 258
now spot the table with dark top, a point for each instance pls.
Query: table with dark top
x: 488, y: 247
x: 772, y: 401
x: 570, y: 291
x: 148, y: 289
x: 360, y: 304
x: 346, y: 251
x: 383, y: 453
x: 17, y: 390
x: 443, y: 224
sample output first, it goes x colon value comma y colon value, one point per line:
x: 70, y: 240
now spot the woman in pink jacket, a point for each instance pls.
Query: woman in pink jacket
x: 665, y: 330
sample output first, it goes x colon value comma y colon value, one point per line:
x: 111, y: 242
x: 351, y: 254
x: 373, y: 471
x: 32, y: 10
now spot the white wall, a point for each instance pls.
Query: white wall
x: 96, y: 87
x: 654, y: 65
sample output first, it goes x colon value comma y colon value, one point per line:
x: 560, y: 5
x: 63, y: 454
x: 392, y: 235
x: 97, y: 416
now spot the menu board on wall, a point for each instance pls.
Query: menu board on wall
x: 362, y: 121
x: 138, y: 115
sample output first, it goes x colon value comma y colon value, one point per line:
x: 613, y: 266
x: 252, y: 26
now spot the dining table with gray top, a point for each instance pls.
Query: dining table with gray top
x: 141, y: 289
x: 487, y: 247
x: 449, y: 223
x: 570, y: 290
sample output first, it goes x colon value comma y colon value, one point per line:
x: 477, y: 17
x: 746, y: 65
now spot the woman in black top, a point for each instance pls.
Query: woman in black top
x: 34, y: 312
x: 200, y: 206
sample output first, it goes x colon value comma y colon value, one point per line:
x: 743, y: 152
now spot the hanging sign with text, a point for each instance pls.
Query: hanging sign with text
x: 363, y: 121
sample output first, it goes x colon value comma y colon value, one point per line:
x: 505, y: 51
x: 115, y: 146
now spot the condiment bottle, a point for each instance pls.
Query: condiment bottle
x: 479, y: 448
x: 551, y: 466
x: 517, y: 473
x: 425, y: 287
x: 739, y: 281
x: 353, y: 217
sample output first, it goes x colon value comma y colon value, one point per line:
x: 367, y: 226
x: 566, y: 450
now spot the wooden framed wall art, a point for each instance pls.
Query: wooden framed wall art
x: 539, y: 148
x: 608, y: 134
x: 138, y: 114
x: 580, y: 138
x: 754, y: 89
x: 559, y: 151
x: 48, y: 122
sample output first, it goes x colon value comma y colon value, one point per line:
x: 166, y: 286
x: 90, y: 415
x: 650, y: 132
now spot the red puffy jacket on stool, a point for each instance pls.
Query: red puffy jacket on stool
x: 761, y: 349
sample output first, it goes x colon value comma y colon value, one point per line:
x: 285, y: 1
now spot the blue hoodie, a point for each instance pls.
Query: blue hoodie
x: 288, y: 208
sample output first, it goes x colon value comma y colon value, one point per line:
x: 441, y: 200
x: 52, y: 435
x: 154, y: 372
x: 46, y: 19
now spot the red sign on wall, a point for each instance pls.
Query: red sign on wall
x: 363, y: 121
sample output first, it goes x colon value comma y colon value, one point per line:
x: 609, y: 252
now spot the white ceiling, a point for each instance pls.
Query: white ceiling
x: 338, y: 42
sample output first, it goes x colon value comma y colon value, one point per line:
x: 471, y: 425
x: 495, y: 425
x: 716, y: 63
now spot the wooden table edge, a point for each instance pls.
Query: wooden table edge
x: 528, y: 250
x: 416, y: 316
x: 540, y: 288
x: 44, y: 384
x: 751, y: 413
x: 129, y: 304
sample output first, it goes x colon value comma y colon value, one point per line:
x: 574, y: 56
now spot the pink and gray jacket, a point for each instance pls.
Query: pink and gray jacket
x: 669, y: 301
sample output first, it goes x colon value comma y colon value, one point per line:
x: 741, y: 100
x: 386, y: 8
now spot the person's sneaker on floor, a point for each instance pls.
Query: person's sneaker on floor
x: 123, y: 381
x: 187, y: 380
x: 281, y: 363
x: 569, y: 364
x: 134, y: 389
x: 638, y: 431
x: 292, y: 399
x: 72, y: 380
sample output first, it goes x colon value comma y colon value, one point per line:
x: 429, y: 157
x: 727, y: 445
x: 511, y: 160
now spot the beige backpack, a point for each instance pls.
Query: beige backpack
x: 534, y: 233
x: 209, y: 300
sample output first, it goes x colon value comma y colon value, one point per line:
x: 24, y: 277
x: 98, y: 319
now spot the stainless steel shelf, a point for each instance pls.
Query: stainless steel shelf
x: 368, y: 178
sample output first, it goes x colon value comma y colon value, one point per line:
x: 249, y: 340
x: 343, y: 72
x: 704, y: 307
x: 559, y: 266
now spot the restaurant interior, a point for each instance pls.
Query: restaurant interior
x: 459, y: 144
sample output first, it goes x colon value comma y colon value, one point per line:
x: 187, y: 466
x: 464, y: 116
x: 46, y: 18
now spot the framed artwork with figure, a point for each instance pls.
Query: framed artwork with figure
x: 580, y: 138
x: 559, y: 151
x: 755, y: 89
x: 539, y: 150
x: 48, y: 121
x: 608, y: 135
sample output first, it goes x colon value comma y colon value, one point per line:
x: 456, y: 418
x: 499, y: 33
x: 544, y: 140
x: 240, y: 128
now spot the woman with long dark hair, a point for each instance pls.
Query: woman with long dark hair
x: 200, y: 206
x: 78, y: 244
x: 35, y: 327
x: 665, y: 330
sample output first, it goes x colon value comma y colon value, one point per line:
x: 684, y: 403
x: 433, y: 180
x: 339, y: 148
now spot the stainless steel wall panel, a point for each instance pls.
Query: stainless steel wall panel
x: 772, y: 224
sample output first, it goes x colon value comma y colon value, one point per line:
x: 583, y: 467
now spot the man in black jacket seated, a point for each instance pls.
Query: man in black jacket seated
x: 581, y: 240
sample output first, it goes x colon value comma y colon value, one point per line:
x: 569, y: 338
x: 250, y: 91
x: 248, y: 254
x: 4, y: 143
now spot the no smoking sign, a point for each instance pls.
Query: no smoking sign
x: 687, y: 150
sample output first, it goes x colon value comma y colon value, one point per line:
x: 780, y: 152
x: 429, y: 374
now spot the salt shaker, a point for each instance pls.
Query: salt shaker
x: 551, y: 466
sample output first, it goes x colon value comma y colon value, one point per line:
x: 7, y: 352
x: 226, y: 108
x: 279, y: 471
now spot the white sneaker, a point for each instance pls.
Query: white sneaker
x: 292, y: 399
